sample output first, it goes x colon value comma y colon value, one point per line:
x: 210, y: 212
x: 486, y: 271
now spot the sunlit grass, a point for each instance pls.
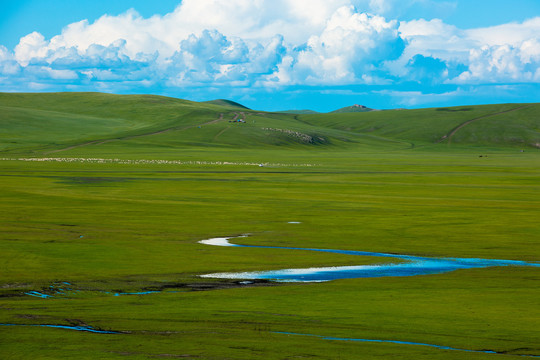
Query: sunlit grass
x: 127, y: 215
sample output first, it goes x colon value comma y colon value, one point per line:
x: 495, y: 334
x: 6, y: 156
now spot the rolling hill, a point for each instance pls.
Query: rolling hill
x: 490, y: 125
x: 352, y: 109
x: 227, y: 103
x: 47, y: 123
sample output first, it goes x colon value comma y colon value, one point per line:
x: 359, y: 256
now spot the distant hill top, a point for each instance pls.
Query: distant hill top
x: 97, y: 123
x: 298, y: 112
x: 228, y: 103
x: 352, y: 109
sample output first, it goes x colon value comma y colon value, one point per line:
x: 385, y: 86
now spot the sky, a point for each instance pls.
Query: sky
x: 277, y: 54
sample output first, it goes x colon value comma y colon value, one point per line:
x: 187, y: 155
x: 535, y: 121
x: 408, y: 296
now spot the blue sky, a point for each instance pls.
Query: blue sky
x: 278, y: 54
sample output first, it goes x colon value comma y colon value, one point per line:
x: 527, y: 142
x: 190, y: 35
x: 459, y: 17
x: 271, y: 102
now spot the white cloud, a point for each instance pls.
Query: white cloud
x: 140, y: 35
x: 213, y: 57
x: 4, y: 53
x: 350, y: 47
x: 8, y: 65
x: 435, y: 38
x: 62, y: 74
x: 417, y: 98
x: 501, y: 53
x: 296, y: 20
x: 504, y: 63
x: 506, y: 34
x: 270, y: 43
x: 32, y: 46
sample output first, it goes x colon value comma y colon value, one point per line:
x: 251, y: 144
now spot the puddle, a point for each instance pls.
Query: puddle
x: 38, y: 294
x: 56, y: 289
x: 221, y: 241
x: 66, y: 327
x: 64, y: 289
x: 411, y: 266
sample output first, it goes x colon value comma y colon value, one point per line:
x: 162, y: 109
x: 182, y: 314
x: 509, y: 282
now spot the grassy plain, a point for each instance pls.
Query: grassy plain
x: 384, y: 181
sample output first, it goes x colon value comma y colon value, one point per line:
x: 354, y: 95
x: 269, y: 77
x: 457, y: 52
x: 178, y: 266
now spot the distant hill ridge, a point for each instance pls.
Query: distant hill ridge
x: 90, y: 123
x: 348, y: 109
x: 227, y: 103
x: 298, y: 112
x: 352, y: 109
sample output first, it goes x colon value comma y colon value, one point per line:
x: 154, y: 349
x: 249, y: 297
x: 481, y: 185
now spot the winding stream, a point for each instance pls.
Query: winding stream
x: 404, y: 343
x: 405, y: 266
x: 408, y: 265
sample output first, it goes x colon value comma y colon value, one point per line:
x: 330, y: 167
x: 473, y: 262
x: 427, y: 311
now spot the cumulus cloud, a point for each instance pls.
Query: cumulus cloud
x: 317, y: 42
x: 8, y: 65
x: 348, y: 49
x: 212, y: 57
x: 274, y: 43
x: 506, y: 34
x: 505, y: 53
x: 295, y: 20
x: 504, y: 63
x: 32, y: 46
x: 437, y: 39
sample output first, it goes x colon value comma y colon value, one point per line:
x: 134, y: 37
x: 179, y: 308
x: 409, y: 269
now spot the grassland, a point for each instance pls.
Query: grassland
x: 126, y: 186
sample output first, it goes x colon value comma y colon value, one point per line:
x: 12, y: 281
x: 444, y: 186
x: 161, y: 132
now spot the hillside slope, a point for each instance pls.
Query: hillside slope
x: 50, y: 123
x: 495, y: 125
x: 352, y: 109
x: 59, y: 123
x: 226, y: 103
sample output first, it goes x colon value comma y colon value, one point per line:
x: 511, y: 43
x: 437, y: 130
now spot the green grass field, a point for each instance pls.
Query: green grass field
x: 111, y: 194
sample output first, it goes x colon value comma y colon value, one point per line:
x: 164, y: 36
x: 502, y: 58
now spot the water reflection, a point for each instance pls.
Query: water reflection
x: 409, y: 266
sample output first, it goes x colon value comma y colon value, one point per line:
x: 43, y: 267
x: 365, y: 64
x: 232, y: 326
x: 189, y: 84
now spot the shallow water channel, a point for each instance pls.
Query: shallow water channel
x: 407, y: 266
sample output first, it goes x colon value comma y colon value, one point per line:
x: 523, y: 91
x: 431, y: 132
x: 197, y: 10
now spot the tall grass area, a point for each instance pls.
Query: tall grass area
x: 118, y: 226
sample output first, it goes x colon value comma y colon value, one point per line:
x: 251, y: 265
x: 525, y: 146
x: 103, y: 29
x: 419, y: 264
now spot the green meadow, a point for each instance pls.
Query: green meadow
x: 104, y: 195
